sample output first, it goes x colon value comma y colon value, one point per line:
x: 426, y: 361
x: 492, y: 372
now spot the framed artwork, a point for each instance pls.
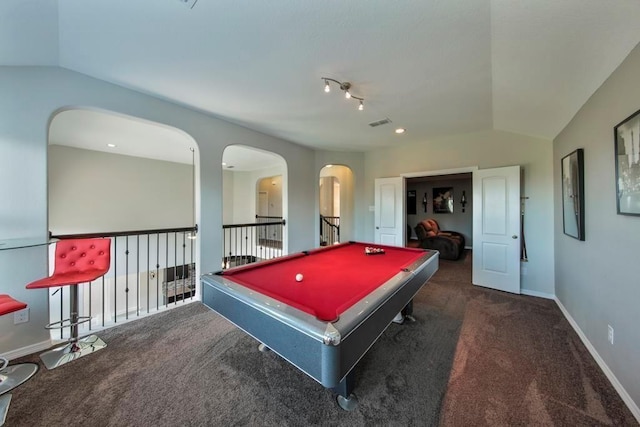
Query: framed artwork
x: 573, y: 194
x: 627, y: 154
x: 443, y: 200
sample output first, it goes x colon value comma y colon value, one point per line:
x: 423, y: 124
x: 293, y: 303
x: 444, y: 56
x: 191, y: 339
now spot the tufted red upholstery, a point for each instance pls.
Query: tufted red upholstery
x: 9, y: 305
x: 77, y: 261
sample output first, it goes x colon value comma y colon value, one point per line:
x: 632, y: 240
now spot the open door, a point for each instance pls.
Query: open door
x: 496, y: 228
x: 389, y: 214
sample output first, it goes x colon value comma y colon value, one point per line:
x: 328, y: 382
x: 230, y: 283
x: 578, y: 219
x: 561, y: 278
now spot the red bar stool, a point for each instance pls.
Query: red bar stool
x: 76, y: 261
x: 14, y: 375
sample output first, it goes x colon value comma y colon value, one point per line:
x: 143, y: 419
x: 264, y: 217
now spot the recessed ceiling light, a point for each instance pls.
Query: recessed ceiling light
x: 400, y: 130
x: 224, y: 164
x: 111, y: 145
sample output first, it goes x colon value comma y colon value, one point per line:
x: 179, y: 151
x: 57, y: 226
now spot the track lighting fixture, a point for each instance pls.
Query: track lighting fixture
x: 344, y: 86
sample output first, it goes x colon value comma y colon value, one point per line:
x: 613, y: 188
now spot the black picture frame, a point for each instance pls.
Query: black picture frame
x: 572, y: 177
x: 627, y: 154
x: 411, y: 202
x: 443, y: 200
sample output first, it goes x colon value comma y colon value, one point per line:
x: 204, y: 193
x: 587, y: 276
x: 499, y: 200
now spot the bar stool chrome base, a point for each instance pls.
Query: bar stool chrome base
x: 72, y: 351
x: 5, y: 399
x: 14, y: 375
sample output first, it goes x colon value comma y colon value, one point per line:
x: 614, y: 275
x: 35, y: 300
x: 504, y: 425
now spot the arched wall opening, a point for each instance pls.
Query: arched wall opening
x: 336, y: 204
x: 135, y: 182
x: 255, y: 205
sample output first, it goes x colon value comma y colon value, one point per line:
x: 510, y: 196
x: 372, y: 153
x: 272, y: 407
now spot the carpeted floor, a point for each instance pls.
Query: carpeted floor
x: 474, y: 357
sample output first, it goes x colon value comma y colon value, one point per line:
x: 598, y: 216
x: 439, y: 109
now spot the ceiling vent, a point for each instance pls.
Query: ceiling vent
x: 379, y: 123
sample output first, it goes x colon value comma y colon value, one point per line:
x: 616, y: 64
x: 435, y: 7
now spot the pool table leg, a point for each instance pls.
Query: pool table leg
x: 346, y: 399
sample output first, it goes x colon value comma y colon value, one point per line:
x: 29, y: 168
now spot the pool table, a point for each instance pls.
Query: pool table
x: 324, y: 320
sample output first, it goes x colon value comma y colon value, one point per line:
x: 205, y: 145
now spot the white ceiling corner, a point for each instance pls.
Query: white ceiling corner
x: 433, y: 67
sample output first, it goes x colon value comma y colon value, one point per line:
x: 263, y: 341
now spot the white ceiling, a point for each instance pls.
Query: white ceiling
x: 433, y: 67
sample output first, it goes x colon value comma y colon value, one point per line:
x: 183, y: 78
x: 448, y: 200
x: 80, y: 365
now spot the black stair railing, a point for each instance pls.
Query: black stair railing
x: 329, y: 230
x: 151, y: 270
x: 252, y: 242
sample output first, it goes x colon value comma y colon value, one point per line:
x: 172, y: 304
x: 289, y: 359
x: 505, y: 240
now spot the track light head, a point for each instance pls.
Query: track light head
x: 344, y: 86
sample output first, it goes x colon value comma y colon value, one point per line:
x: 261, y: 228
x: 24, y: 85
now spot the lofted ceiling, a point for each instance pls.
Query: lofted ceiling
x: 433, y: 67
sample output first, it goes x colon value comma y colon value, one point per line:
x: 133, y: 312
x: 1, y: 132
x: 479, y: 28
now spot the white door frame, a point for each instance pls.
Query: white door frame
x: 440, y: 172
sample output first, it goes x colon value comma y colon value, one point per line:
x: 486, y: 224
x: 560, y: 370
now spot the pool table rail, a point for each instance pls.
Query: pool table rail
x: 326, y: 351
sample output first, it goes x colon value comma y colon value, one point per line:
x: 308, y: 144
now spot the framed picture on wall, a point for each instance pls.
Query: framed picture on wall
x: 443, y: 200
x: 411, y: 202
x: 573, y: 194
x: 627, y: 154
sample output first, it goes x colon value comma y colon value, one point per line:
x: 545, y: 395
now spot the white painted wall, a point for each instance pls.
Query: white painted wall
x: 30, y: 98
x: 597, y: 281
x: 486, y: 150
x: 91, y: 191
x: 244, y: 196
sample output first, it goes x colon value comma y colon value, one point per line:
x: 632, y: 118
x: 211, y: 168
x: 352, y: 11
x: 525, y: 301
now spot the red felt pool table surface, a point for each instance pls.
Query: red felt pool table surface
x: 334, y: 277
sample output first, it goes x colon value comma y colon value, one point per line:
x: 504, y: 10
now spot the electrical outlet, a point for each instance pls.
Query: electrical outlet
x: 21, y: 316
x: 610, y: 334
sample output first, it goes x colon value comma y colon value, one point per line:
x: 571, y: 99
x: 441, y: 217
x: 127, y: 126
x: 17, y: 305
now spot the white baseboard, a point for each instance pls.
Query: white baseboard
x: 537, y: 294
x: 633, y: 407
x: 24, y: 351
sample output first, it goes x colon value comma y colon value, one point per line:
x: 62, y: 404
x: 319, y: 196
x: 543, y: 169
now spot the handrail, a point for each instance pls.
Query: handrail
x: 326, y: 221
x: 124, y: 233
x: 255, y: 224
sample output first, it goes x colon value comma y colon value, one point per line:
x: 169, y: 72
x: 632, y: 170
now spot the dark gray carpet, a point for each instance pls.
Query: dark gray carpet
x: 474, y: 357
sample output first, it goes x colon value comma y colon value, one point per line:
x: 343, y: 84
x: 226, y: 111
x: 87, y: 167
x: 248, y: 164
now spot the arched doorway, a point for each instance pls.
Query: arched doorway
x: 254, y: 205
x: 132, y: 181
x: 336, y: 204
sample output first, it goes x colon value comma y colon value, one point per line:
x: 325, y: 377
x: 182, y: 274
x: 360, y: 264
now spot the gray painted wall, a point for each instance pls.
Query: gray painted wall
x: 487, y: 149
x: 92, y: 191
x: 598, y: 280
x: 30, y: 98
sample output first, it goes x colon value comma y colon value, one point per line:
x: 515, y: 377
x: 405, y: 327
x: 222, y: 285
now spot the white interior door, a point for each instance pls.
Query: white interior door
x: 389, y: 214
x: 496, y: 228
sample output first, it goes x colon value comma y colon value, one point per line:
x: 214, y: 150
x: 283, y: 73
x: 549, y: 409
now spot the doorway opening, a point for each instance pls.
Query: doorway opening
x: 447, y: 199
x: 335, y: 204
x: 138, y: 185
x: 254, y: 205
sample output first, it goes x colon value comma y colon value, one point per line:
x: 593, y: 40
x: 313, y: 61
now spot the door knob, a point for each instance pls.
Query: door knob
x: 514, y: 237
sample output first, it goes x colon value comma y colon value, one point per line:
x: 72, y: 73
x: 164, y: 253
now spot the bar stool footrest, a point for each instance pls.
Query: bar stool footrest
x: 72, y: 351
x: 67, y: 323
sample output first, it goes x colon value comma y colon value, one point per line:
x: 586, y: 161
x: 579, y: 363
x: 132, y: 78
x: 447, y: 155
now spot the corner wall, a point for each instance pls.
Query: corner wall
x: 597, y: 281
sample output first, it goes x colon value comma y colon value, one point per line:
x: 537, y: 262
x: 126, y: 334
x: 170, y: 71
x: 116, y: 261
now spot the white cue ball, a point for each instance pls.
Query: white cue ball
x: 299, y: 277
